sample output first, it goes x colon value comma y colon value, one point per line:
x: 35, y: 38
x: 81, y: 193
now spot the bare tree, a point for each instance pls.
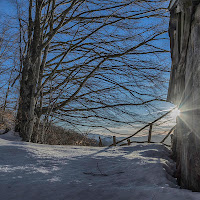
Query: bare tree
x: 88, y: 61
x: 8, y: 61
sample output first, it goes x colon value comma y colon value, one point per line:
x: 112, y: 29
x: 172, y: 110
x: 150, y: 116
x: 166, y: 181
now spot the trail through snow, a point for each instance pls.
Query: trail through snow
x: 42, y: 172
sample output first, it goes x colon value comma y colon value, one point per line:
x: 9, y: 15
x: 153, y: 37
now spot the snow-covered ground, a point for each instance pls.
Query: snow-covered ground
x: 42, y: 172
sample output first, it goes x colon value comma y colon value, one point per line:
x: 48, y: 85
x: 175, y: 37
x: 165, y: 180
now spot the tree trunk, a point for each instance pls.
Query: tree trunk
x: 26, y: 116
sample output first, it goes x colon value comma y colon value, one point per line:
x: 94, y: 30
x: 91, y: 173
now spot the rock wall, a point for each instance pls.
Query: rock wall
x: 184, y: 89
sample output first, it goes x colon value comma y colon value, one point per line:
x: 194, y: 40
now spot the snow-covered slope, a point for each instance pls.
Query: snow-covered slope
x: 40, y: 172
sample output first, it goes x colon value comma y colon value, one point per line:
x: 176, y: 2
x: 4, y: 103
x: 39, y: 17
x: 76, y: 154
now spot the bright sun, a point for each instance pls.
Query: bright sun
x: 175, y: 113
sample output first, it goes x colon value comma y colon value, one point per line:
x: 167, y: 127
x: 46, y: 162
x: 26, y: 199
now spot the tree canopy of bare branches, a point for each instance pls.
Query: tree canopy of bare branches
x: 88, y: 62
x: 8, y: 62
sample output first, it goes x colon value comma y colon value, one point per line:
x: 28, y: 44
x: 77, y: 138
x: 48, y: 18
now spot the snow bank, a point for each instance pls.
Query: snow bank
x: 40, y: 172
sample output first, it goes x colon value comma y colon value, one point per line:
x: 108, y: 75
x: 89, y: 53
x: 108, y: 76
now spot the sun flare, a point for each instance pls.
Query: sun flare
x: 175, y: 113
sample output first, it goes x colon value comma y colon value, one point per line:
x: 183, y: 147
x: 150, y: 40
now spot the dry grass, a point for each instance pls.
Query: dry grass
x: 7, y: 119
x: 56, y: 135
x: 53, y: 135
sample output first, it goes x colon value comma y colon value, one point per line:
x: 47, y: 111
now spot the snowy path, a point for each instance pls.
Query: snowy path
x: 40, y: 172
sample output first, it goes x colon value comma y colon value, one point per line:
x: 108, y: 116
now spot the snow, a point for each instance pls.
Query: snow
x: 39, y: 172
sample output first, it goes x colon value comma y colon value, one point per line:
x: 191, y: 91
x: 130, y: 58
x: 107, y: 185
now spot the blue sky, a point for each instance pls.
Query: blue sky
x: 6, y: 7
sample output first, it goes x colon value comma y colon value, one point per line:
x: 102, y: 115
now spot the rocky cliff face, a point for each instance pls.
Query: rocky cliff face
x: 184, y: 89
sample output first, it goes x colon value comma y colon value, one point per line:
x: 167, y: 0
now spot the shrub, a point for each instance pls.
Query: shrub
x: 56, y: 135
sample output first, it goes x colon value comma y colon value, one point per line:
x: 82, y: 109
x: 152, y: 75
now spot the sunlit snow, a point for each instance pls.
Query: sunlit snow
x: 39, y: 172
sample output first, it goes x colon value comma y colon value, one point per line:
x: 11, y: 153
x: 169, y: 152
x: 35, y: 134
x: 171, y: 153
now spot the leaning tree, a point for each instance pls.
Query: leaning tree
x: 87, y: 62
